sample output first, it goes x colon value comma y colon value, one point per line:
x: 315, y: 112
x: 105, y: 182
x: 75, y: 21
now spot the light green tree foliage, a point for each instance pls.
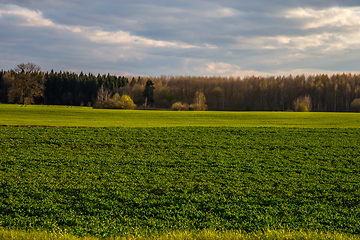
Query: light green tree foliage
x: 301, y: 108
x: 117, y: 101
x: 116, y: 98
x: 302, y: 104
x: 126, y: 102
x: 199, y: 102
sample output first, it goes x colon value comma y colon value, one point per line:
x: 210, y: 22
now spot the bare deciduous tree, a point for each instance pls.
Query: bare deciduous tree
x: 26, y: 83
x: 199, y: 101
x: 103, y: 94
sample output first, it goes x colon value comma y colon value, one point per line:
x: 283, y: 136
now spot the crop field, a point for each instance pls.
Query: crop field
x: 113, y: 181
x: 33, y: 115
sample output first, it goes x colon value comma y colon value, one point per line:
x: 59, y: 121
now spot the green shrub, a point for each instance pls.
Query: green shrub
x: 177, y: 106
x: 126, y: 102
x: 355, y: 105
x: 301, y: 108
x: 302, y: 104
x: 117, y: 102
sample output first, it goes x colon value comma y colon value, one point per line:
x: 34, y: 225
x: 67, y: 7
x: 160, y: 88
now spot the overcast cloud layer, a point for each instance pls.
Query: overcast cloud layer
x: 162, y: 37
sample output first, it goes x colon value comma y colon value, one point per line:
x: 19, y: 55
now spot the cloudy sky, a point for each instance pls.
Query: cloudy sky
x: 187, y: 37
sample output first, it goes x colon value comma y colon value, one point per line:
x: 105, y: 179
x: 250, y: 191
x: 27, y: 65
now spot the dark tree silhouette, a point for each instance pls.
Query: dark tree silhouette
x: 26, y: 83
x: 149, y: 92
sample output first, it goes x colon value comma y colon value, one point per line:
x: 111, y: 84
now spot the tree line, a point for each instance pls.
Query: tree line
x: 321, y: 92
x: 58, y: 88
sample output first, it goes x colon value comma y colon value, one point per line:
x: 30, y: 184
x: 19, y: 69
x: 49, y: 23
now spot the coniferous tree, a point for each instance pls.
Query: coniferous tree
x: 149, y: 92
x: 3, y: 88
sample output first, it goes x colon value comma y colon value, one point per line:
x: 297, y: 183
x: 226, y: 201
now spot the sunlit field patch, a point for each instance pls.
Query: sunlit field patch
x: 32, y: 115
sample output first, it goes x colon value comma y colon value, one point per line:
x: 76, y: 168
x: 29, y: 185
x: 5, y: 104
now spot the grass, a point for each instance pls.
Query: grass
x: 37, y: 115
x: 178, y: 175
x: 118, y: 181
x: 185, y: 235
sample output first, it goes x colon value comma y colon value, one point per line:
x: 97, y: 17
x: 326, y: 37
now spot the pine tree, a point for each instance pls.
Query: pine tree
x: 149, y: 92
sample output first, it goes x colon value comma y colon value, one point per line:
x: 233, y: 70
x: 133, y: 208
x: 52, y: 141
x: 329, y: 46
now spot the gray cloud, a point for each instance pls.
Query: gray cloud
x: 230, y: 37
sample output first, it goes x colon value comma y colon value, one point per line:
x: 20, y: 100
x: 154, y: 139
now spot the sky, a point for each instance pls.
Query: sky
x: 187, y: 37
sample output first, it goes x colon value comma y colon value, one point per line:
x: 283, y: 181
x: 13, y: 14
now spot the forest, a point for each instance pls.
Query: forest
x: 321, y: 92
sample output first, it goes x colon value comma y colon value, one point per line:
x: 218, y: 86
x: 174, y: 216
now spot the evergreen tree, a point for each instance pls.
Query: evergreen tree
x: 149, y: 92
x: 133, y: 82
x: 3, y: 88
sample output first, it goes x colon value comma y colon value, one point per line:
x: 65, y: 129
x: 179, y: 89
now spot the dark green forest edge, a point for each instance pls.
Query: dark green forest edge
x: 335, y: 93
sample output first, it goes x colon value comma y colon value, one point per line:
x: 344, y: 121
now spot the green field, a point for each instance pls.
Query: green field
x: 115, y: 181
x: 32, y: 115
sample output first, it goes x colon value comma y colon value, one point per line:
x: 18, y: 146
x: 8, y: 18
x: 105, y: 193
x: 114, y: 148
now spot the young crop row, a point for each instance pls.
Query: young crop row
x: 114, y: 181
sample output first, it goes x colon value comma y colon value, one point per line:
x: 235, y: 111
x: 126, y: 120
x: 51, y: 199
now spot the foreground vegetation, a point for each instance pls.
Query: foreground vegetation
x: 41, y: 115
x: 185, y: 235
x: 148, y: 181
x: 206, y: 175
